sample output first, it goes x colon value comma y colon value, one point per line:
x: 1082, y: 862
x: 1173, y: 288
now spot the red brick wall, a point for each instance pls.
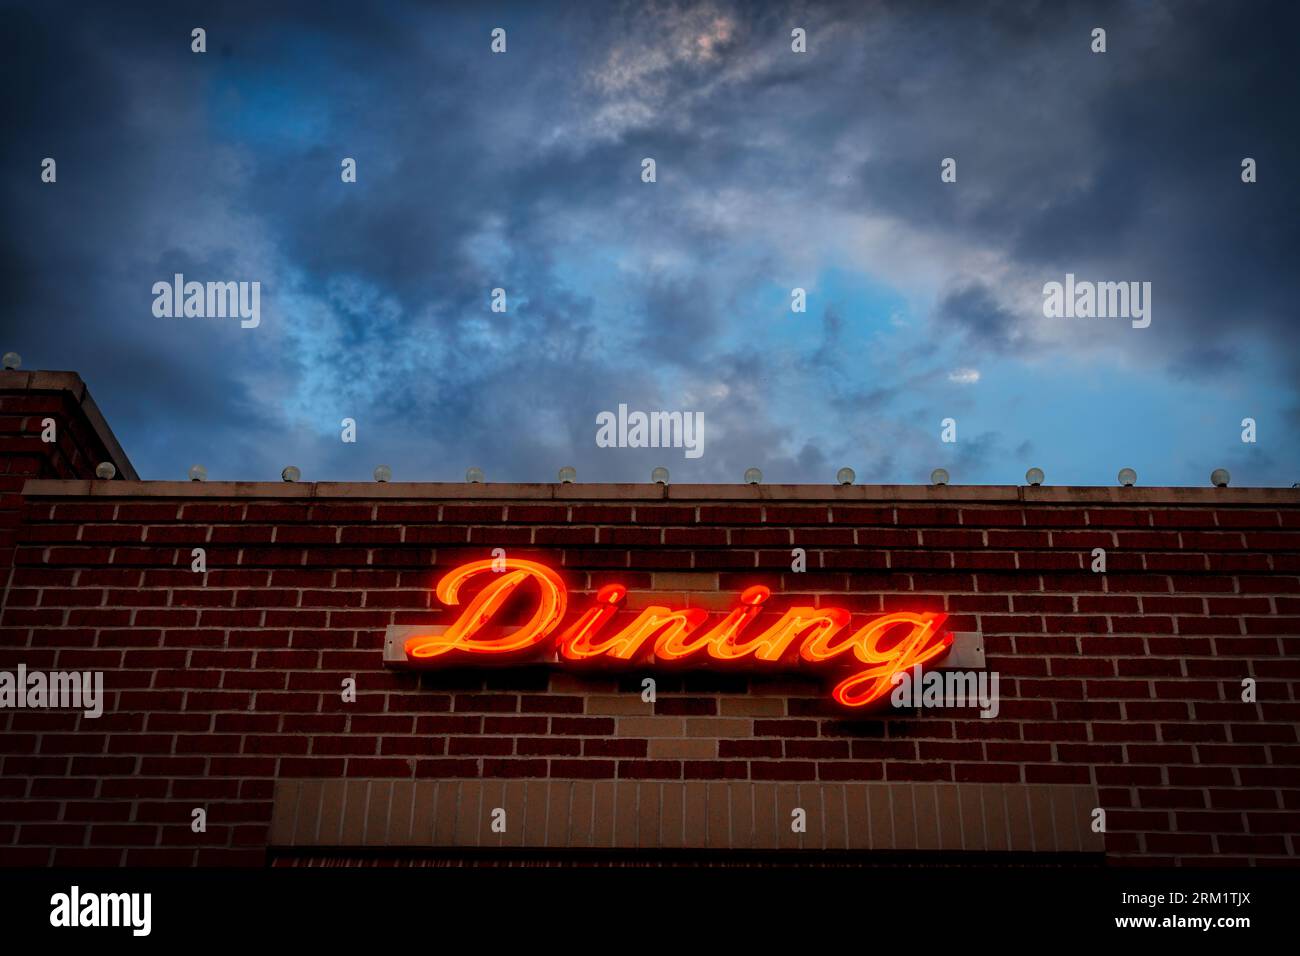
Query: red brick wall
x: 81, y: 440
x: 220, y: 684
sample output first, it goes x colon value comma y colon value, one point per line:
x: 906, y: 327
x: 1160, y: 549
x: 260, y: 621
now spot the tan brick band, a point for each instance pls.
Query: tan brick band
x: 607, y: 814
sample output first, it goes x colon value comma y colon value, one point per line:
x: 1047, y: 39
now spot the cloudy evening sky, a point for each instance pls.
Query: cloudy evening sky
x: 775, y: 170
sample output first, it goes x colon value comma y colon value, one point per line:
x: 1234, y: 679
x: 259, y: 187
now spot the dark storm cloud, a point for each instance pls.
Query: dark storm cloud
x: 677, y: 311
x: 974, y: 310
x: 522, y: 172
x: 1123, y: 165
x: 75, y: 248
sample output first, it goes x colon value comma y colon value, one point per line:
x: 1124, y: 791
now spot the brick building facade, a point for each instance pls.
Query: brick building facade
x: 1120, y: 690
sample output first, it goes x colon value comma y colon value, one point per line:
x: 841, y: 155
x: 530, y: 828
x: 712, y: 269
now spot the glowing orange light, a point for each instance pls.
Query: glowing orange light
x: 721, y: 641
x: 921, y: 644
x: 677, y: 634
x: 575, y: 643
x: 460, y: 636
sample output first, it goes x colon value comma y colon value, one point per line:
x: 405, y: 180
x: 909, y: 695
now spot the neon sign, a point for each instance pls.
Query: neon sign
x: 865, y: 660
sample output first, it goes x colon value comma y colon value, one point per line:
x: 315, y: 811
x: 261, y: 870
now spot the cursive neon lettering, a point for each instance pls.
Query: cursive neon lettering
x: 865, y: 659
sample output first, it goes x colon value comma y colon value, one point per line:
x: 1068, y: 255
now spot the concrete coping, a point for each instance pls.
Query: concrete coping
x: 762, y: 494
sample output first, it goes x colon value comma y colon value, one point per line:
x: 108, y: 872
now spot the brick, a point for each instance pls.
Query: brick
x: 702, y: 748
x: 719, y: 727
x: 617, y: 747
x: 928, y: 516
x: 601, y: 514
x: 783, y: 770
x: 777, y: 514
x: 664, y: 514
x: 673, y: 581
x: 785, y: 728
x: 731, y: 514
x: 856, y: 515
x: 1248, y: 519
x: 537, y: 514
x: 650, y: 769
x: 586, y: 726
x: 651, y: 726
x: 635, y: 537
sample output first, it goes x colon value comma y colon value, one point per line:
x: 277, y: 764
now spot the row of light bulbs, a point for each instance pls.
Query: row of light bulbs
x: 568, y: 475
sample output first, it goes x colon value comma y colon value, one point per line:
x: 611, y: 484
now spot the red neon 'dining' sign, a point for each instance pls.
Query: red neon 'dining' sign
x: 873, y: 654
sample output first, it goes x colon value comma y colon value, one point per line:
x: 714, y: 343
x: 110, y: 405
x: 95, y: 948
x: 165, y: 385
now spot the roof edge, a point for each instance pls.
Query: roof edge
x: 843, y: 494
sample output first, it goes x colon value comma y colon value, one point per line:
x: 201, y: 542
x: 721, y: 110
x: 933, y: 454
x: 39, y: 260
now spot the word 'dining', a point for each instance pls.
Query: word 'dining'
x: 865, y: 660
